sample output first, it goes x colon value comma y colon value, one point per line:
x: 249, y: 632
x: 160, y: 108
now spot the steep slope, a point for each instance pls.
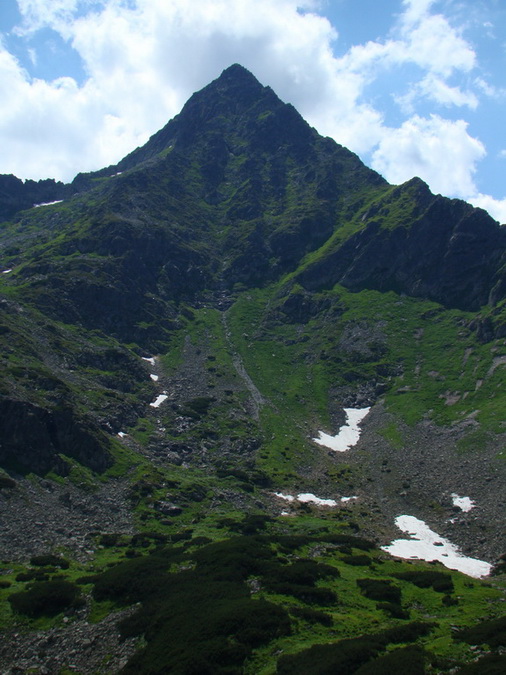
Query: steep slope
x: 176, y: 334
x: 412, y: 242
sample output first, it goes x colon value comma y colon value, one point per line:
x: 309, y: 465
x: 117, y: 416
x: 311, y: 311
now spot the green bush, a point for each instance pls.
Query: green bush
x: 380, y: 590
x: 303, y: 571
x: 343, y: 657
x: 197, y: 406
x: 357, y: 560
x: 409, y: 660
x: 449, y: 601
x: 50, y: 560
x: 348, y: 540
x: 393, y: 610
x: 188, y: 624
x: 32, y: 575
x: 251, y: 523
x: 491, y: 632
x: 312, y: 615
x: 111, y: 539
x: 308, y: 594
x: 492, y: 664
x: 409, y: 632
x: 46, y: 598
x: 188, y: 618
x: 236, y: 558
x: 439, y: 581
x: 132, y: 580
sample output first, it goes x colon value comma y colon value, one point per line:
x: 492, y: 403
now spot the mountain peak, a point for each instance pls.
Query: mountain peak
x: 233, y: 93
x: 237, y: 72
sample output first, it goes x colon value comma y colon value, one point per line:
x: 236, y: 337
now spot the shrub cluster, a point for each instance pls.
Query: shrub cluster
x: 200, y: 620
x: 299, y: 579
x: 380, y: 590
x: 439, y: 581
x: 46, y: 598
x: 350, y: 656
x: 401, y: 661
x: 492, y: 632
x: 394, y: 610
x: 312, y: 615
x: 357, y: 560
x: 492, y: 664
x: 50, y: 560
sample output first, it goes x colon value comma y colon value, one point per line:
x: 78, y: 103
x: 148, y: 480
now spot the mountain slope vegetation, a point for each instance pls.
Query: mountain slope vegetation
x: 176, y: 330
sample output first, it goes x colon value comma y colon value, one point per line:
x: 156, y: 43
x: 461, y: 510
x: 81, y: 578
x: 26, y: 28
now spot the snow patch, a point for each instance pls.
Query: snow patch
x: 159, y: 400
x: 428, y: 545
x: 58, y: 201
x: 464, y: 503
x: 288, y: 498
x: 149, y: 359
x: 121, y: 434
x: 308, y: 497
x: 154, y: 377
x: 6, y: 271
x: 348, y: 434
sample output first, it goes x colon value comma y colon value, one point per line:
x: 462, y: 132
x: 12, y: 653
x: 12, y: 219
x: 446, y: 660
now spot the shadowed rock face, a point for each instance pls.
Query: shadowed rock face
x: 452, y: 254
x: 16, y: 195
x: 33, y: 439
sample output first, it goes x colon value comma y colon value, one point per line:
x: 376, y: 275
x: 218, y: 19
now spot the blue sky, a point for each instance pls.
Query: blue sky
x: 415, y: 87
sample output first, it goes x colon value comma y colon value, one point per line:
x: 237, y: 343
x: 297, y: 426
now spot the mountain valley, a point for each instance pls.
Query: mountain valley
x: 176, y: 331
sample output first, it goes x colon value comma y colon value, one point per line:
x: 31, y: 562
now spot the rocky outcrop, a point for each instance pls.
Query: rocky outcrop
x: 451, y: 253
x: 33, y: 439
x: 16, y: 195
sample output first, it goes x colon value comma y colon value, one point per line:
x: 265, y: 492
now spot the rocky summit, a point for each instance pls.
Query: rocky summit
x: 252, y: 401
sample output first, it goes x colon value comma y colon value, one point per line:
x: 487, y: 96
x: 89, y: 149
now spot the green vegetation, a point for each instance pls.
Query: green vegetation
x: 46, y: 598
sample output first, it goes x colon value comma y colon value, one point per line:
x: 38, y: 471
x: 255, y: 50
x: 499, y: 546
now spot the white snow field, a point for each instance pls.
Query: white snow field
x: 348, y: 434
x: 428, y: 545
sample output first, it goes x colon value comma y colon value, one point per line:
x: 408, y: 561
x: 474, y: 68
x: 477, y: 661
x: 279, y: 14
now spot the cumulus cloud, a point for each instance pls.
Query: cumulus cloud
x: 143, y: 58
x: 437, y: 150
x: 496, y: 207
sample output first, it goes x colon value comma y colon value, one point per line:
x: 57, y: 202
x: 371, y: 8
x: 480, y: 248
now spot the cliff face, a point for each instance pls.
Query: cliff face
x: 448, y: 251
x: 16, y: 195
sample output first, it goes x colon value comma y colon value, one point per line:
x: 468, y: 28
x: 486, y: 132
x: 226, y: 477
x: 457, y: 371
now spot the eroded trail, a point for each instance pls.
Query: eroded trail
x: 257, y: 399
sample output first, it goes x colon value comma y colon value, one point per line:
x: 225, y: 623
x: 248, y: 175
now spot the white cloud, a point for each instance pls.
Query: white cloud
x: 39, y: 13
x: 434, y: 45
x: 439, y: 151
x: 496, y: 207
x: 433, y: 87
x: 415, y: 10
